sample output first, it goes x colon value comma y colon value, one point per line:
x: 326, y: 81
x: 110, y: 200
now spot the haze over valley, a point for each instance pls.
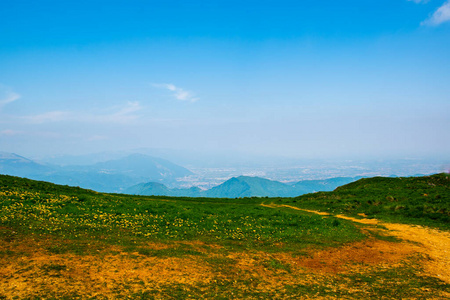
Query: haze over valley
x: 143, y: 174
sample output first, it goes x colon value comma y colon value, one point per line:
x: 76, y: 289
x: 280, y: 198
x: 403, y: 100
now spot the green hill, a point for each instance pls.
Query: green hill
x: 324, y: 185
x: 148, y: 189
x: 245, y: 186
x: 159, y: 189
x: 421, y: 200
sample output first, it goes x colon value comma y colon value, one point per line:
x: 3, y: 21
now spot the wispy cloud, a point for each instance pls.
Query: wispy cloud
x: 441, y: 15
x: 7, y: 96
x: 419, y: 1
x: 121, y: 114
x: 118, y: 114
x: 51, y: 116
x: 178, y: 93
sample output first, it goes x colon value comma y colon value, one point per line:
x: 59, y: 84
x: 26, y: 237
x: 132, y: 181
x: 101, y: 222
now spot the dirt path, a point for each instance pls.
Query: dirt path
x: 433, y: 243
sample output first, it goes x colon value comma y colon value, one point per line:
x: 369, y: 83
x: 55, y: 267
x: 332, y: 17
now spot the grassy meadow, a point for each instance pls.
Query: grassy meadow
x: 60, y: 242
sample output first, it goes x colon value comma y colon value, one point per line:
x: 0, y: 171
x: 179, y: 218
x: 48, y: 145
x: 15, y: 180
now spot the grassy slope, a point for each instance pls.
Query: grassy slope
x: 43, y: 208
x: 248, y: 250
x: 415, y: 200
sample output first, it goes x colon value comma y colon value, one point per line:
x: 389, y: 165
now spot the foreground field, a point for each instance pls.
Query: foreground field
x: 59, y: 242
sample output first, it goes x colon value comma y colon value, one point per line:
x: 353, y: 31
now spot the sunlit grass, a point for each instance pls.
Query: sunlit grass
x: 121, y: 218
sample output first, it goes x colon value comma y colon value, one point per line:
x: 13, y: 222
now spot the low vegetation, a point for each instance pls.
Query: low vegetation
x: 414, y: 200
x: 64, y: 242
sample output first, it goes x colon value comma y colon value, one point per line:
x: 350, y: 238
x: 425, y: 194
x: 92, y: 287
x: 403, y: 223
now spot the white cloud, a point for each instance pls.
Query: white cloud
x: 51, y: 116
x: 124, y: 114
x: 7, y: 96
x: 121, y: 114
x: 441, y: 15
x: 178, y: 93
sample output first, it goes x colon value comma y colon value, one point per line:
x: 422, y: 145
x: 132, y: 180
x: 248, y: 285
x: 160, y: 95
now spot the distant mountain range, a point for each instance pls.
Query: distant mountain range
x: 110, y: 176
x: 141, y: 174
x: 244, y: 186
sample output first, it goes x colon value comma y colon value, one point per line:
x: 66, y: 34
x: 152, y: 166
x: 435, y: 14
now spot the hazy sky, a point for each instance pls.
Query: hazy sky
x: 294, y: 78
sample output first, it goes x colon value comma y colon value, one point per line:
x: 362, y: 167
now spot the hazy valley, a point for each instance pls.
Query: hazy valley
x: 138, y: 173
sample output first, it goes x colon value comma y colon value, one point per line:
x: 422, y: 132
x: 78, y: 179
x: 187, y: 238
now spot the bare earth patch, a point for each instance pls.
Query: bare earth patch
x: 433, y: 243
x: 38, y: 272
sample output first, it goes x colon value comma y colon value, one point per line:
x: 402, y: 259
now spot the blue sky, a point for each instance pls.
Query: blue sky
x: 286, y: 78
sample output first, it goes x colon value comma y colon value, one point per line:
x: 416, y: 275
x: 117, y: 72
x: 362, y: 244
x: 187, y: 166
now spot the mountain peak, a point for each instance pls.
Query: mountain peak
x: 13, y: 156
x: 108, y: 176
